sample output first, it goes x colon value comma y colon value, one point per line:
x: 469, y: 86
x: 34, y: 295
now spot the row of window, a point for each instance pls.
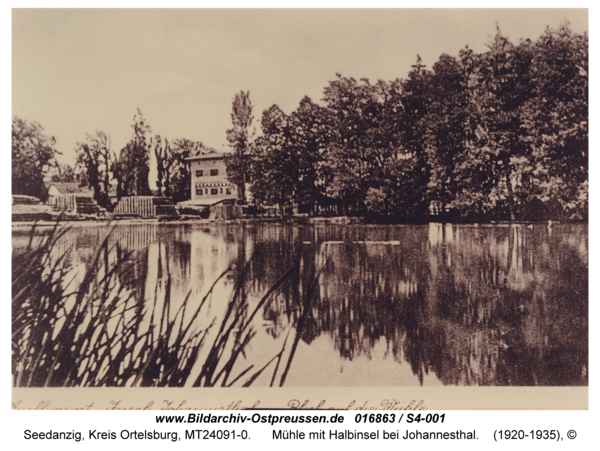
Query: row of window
x: 213, y: 191
x: 200, y: 172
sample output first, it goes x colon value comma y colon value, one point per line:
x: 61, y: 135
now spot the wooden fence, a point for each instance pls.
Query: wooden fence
x: 138, y: 205
x: 64, y: 203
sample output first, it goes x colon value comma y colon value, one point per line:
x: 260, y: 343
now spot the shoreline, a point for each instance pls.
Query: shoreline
x: 316, y: 221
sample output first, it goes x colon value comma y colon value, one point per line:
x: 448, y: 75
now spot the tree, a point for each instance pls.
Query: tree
x: 525, y: 129
x: 555, y: 119
x: 95, y: 158
x: 352, y: 104
x: 444, y: 127
x: 473, y: 175
x: 369, y: 121
x: 497, y: 135
x: 64, y: 173
x: 32, y: 154
x: 164, y: 161
x: 311, y: 134
x: 118, y: 174
x: 134, y: 160
x: 275, y: 163
x: 503, y: 81
x: 397, y: 177
x: 239, y: 162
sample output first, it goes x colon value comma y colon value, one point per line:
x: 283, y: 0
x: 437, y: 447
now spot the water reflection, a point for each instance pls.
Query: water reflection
x: 383, y: 305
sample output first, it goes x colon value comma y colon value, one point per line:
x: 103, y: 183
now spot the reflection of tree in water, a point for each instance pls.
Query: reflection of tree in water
x: 275, y: 251
x: 473, y: 306
x: 488, y: 306
x: 181, y: 245
x: 498, y: 305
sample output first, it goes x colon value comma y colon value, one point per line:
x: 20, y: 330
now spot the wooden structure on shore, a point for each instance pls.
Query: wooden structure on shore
x: 72, y: 203
x: 145, y: 207
x: 72, y: 198
x: 225, y: 212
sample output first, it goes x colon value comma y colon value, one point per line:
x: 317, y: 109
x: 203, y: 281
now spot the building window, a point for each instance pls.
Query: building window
x: 220, y: 190
x: 199, y: 173
x: 199, y: 191
x: 227, y: 191
x: 214, y: 172
x: 214, y: 191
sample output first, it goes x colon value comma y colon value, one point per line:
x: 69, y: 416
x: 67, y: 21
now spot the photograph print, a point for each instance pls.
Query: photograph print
x: 299, y: 198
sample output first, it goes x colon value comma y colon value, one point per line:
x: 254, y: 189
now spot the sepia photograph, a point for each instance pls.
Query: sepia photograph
x: 285, y: 207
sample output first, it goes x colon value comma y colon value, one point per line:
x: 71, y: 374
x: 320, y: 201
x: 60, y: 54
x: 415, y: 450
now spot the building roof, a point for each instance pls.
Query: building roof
x: 208, y: 156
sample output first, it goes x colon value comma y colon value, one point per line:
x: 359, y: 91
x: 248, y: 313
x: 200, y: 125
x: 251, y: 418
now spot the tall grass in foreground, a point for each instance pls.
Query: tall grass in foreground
x: 89, y: 329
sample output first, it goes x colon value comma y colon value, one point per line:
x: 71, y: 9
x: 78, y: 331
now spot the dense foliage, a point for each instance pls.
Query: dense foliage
x: 239, y: 138
x: 497, y: 135
x: 129, y: 172
x: 478, y: 137
x: 96, y: 160
x: 32, y: 155
x: 134, y: 160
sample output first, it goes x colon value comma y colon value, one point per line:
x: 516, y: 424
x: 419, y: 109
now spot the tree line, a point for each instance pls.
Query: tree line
x: 109, y: 174
x: 501, y: 134
x: 496, y: 135
x: 129, y: 171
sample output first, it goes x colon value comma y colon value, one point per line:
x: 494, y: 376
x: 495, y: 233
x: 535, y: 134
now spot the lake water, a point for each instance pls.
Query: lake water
x: 379, y: 305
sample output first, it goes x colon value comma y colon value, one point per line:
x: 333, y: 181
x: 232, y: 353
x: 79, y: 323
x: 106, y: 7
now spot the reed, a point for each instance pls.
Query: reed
x: 91, y: 330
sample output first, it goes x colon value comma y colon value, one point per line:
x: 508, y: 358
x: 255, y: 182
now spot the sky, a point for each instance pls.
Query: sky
x: 78, y: 71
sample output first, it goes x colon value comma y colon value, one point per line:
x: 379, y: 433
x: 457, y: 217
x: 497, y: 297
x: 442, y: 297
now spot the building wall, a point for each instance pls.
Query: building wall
x: 209, y: 180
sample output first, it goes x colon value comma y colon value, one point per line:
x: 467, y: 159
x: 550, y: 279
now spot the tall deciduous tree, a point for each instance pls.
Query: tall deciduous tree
x: 354, y: 107
x: 289, y: 157
x: 164, y: 161
x: 395, y: 185
x: 556, y: 122
x: 444, y: 127
x: 367, y: 156
x: 239, y: 165
x: 134, y: 159
x: 311, y: 134
x: 497, y: 135
x: 95, y: 158
x: 525, y: 131
x: 275, y: 162
x: 32, y: 154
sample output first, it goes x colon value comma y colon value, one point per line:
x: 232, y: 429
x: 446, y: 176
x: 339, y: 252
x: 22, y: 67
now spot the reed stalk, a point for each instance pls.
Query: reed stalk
x: 96, y: 332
